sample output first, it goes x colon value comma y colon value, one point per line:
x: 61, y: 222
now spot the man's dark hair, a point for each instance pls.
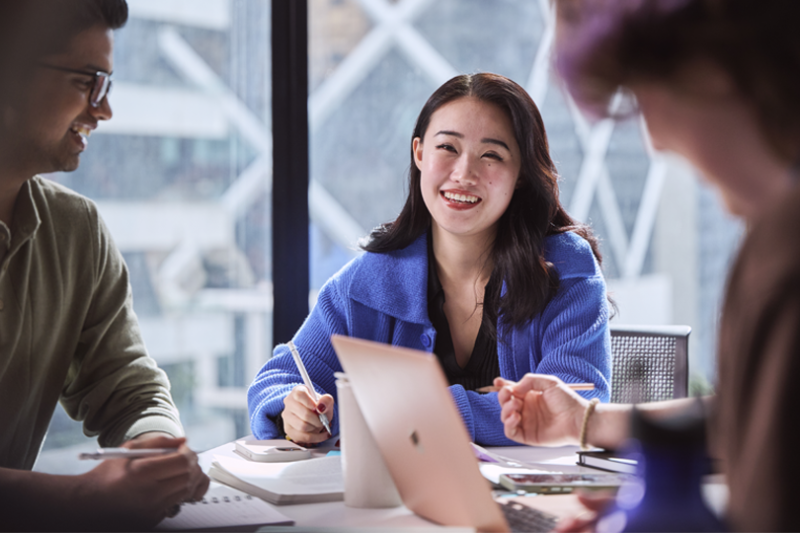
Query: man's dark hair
x: 55, y: 22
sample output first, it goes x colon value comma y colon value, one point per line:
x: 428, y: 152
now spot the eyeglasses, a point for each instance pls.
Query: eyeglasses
x: 100, y: 88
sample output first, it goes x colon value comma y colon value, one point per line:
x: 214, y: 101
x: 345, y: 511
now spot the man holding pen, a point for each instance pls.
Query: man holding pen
x: 68, y: 332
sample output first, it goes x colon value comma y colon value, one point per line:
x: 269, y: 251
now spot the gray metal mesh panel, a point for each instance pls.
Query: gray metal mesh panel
x: 643, y: 368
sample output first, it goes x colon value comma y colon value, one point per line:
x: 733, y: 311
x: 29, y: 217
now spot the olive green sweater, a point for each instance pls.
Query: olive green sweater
x: 68, y: 332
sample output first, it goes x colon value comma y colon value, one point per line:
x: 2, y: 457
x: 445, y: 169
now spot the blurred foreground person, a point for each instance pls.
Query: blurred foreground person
x: 717, y: 83
x: 68, y: 332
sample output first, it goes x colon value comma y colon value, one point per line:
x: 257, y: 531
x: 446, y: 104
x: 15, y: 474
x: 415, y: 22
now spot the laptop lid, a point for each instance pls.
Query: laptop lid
x: 404, y: 398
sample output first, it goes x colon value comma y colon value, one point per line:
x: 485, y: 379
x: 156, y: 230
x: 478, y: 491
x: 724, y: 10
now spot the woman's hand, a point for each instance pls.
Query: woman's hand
x: 540, y: 410
x: 301, y: 416
x: 597, y: 503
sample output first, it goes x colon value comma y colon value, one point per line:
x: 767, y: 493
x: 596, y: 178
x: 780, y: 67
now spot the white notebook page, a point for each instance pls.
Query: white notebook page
x: 224, y: 507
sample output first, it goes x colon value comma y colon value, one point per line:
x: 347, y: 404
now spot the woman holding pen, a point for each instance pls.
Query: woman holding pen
x: 718, y: 83
x: 483, y: 267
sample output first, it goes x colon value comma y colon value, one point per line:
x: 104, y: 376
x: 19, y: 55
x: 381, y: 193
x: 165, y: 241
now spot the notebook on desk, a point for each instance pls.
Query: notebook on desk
x: 607, y: 460
x: 224, y: 509
x: 404, y: 397
x: 310, y: 481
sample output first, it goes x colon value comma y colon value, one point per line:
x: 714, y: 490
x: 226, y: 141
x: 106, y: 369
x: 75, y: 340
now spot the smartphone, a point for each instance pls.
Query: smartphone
x: 268, y: 451
x: 560, y: 483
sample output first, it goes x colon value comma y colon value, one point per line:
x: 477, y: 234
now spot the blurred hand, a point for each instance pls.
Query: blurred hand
x: 540, y: 410
x: 596, y: 503
x: 301, y: 416
x: 138, y: 493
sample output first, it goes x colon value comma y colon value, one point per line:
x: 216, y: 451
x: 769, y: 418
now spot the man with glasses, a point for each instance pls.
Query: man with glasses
x: 101, y: 85
x: 68, y: 332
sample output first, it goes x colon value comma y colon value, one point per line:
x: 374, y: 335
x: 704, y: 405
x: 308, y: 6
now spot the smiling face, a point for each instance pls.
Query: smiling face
x: 469, y: 163
x: 49, y: 128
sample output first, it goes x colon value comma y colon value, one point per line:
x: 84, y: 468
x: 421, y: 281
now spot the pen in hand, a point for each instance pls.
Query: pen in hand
x: 307, y: 381
x: 126, y: 453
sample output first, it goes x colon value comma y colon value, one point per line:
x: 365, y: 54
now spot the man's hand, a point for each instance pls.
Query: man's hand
x: 139, y: 493
x: 540, y: 410
x: 301, y: 416
x: 198, y: 481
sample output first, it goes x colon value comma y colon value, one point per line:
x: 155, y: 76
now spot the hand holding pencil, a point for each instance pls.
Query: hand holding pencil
x: 541, y: 410
x: 306, y: 414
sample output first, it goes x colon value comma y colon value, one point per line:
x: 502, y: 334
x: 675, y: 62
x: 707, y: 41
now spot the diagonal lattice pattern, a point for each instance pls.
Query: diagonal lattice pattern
x: 412, y: 46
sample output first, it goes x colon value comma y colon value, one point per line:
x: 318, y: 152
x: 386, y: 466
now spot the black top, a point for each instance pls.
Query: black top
x: 483, y: 365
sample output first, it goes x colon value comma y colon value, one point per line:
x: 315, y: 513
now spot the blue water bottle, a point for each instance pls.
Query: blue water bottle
x: 672, y: 459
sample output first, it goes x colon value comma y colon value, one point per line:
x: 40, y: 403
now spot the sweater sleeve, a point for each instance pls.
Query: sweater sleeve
x: 575, y: 340
x: 112, y: 385
x: 481, y: 416
x: 280, y: 375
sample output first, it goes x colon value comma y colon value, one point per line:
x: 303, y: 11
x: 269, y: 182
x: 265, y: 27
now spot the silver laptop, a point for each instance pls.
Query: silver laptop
x: 404, y: 397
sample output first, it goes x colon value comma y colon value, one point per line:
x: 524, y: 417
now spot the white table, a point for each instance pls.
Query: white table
x: 336, y: 516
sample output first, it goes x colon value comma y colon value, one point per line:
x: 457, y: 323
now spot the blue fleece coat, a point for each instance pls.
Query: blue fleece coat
x: 384, y: 298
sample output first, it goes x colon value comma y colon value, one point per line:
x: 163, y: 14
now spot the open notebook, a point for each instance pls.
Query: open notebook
x: 309, y: 481
x: 224, y: 509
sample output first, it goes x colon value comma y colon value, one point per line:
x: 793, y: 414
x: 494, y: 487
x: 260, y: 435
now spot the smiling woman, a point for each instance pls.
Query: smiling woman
x: 470, y: 173
x: 482, y: 266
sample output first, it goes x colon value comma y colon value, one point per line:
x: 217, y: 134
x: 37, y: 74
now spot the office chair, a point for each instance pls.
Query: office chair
x: 649, y: 363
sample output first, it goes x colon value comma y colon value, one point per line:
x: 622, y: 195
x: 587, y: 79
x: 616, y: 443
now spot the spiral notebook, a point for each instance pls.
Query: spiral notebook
x: 224, y: 509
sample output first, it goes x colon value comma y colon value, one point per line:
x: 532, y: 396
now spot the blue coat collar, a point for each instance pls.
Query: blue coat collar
x: 395, y: 283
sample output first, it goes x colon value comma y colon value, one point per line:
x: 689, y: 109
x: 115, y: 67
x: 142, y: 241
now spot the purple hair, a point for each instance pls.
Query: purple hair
x: 605, y: 46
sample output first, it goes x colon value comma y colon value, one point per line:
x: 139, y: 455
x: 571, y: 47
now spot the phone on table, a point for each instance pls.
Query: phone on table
x: 268, y: 451
x: 560, y: 483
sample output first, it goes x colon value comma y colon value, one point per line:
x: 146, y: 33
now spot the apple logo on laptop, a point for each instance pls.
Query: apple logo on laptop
x: 415, y: 441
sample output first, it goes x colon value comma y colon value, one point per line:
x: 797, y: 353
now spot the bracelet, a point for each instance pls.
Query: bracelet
x: 589, y: 410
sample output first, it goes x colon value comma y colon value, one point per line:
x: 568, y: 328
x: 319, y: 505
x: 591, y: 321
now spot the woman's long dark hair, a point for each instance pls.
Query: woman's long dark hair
x: 533, y: 213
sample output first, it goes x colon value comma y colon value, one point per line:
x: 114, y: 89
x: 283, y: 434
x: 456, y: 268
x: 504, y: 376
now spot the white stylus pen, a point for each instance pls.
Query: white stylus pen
x: 126, y: 453
x: 307, y: 380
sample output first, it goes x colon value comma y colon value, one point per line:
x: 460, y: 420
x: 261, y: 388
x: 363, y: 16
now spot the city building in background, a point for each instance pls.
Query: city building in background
x: 182, y: 177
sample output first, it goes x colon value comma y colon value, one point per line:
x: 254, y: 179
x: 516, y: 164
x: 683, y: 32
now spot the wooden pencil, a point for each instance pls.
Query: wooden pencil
x: 573, y: 386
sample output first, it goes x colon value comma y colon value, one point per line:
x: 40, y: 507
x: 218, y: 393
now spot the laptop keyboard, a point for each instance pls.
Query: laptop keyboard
x: 524, y: 519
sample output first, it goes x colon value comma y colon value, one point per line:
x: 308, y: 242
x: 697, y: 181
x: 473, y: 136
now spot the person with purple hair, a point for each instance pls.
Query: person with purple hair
x: 717, y: 82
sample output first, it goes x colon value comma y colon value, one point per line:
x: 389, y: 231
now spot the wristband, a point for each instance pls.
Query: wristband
x: 585, y: 425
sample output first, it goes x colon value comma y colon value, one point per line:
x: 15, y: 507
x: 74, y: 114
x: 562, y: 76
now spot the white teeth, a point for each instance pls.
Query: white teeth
x: 82, y: 131
x: 469, y: 199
